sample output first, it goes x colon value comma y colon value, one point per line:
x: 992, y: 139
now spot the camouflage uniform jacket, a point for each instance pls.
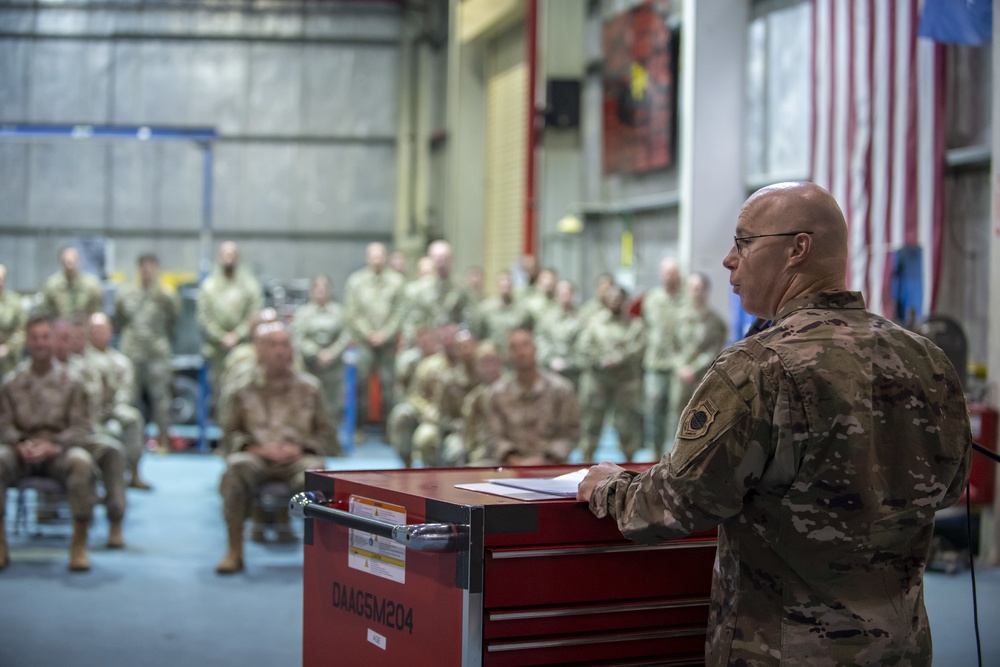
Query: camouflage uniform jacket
x: 556, y: 336
x: 12, y: 319
x: 476, y: 431
x: 457, y: 383
x: 146, y: 319
x: 289, y: 409
x: 374, y: 303
x: 431, y: 302
x: 620, y: 341
x: 51, y: 406
x: 61, y: 298
x: 226, y: 305
x: 822, y: 447
x: 497, y: 318
x: 662, y: 313
x: 425, y: 386
x: 319, y: 328
x: 544, y: 420
x: 701, y: 335
x: 118, y: 377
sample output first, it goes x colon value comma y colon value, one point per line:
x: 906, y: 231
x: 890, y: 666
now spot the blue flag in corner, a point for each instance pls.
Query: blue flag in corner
x: 958, y: 21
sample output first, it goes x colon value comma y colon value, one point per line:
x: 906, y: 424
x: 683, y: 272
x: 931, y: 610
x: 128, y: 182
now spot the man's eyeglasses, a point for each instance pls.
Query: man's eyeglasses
x: 740, y: 242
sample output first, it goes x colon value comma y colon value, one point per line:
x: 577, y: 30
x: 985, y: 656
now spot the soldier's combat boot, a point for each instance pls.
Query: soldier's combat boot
x: 232, y: 562
x: 115, y: 539
x: 79, y: 560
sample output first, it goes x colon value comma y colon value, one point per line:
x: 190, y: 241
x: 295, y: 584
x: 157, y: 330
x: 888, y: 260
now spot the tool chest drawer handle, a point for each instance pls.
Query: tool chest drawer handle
x: 419, y: 536
x: 499, y: 554
x: 534, y: 645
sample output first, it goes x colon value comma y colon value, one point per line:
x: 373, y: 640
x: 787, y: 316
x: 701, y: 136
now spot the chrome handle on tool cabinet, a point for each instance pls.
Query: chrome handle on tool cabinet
x: 419, y: 536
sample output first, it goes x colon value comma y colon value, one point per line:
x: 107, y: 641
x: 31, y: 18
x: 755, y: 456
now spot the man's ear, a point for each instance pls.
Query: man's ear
x: 800, y: 250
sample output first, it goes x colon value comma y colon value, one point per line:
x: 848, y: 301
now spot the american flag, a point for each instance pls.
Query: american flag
x: 878, y: 137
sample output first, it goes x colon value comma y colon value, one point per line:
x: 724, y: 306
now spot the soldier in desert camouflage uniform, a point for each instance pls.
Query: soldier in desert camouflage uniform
x: 69, y: 291
x: 44, y: 425
x: 557, y: 334
x: 119, y: 417
x: 472, y: 445
x: 226, y: 300
x: 145, y: 315
x: 533, y: 414
x: 435, y: 299
x: 701, y: 335
x: 374, y: 297
x: 12, y: 319
x: 610, y: 350
x: 321, y: 336
x: 500, y: 314
x: 821, y: 447
x: 277, y: 428
x: 662, y: 307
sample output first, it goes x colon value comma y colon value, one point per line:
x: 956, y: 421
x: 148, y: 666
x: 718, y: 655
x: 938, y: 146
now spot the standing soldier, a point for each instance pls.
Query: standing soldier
x: 145, y: 315
x: 374, y: 297
x: 701, y: 335
x: 226, y: 301
x: 12, y: 318
x: 501, y: 314
x: 436, y: 299
x: 557, y: 334
x: 661, y: 309
x: 610, y: 350
x: 69, y: 291
x: 542, y: 300
x: 119, y: 416
x: 595, y: 305
x: 321, y: 336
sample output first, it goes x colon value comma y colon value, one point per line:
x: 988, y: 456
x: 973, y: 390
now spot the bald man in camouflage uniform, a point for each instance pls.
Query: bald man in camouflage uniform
x: 278, y: 427
x: 435, y: 299
x: 610, y: 350
x: 12, y: 319
x: 822, y: 448
x: 226, y: 300
x: 145, y: 315
x: 69, y: 291
x: 374, y: 299
x: 44, y: 426
x: 662, y: 308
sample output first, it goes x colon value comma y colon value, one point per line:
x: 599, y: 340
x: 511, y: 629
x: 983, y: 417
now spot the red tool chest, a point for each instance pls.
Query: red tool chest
x: 402, y: 567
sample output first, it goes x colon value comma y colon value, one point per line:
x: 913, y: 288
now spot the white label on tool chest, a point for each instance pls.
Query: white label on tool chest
x: 373, y: 554
x: 377, y: 639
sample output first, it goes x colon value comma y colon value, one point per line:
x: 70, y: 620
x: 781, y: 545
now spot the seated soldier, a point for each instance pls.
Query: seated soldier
x: 457, y: 382
x: 68, y: 346
x: 419, y: 405
x: 117, y: 415
x: 533, y: 413
x: 471, y: 446
x: 278, y: 427
x: 43, y: 423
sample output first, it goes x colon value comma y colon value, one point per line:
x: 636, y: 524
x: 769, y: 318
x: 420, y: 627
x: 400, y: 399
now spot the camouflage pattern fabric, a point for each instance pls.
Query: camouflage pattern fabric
x: 542, y: 421
x: 61, y: 298
x: 12, y: 320
x: 822, y: 448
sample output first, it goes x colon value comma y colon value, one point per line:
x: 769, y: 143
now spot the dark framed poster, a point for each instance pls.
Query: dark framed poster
x: 640, y: 54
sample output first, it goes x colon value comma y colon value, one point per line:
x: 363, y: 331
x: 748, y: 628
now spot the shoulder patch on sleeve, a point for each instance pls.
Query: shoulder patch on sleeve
x: 697, y: 420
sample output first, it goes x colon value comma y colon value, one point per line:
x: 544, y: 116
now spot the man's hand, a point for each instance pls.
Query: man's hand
x: 595, y: 476
x: 277, y: 452
x: 229, y: 340
x: 324, y: 357
x: 686, y: 375
x: 36, y: 451
x: 376, y: 339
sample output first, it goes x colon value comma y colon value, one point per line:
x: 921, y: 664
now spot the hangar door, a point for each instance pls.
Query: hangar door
x: 506, y: 134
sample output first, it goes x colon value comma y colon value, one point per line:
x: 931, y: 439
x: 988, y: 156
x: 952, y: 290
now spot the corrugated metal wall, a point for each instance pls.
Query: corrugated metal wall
x: 507, y: 104
x: 304, y: 96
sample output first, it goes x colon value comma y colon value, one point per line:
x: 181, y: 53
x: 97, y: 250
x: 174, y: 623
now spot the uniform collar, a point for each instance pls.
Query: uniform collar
x: 823, y: 300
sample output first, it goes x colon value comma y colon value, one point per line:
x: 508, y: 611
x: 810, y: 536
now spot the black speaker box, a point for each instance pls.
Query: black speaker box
x: 563, y: 109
